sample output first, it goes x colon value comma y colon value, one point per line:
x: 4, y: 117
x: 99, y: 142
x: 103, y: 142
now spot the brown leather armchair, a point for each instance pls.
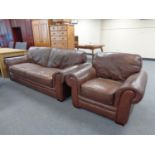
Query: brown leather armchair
x: 110, y: 86
x: 45, y: 69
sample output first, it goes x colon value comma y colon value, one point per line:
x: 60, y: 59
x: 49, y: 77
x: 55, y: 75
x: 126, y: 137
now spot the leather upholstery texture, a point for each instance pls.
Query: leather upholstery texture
x: 101, y: 90
x: 44, y: 69
x: 110, y: 86
x: 117, y: 66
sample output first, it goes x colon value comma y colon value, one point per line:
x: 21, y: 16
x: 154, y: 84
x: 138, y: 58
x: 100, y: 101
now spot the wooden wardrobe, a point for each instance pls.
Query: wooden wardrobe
x: 41, y: 33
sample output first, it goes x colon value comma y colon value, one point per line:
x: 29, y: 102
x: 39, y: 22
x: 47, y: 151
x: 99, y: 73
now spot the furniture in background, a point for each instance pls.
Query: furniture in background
x: 109, y: 87
x: 61, y: 21
x: 8, y: 52
x: 11, y: 44
x: 22, y: 31
x: 76, y: 41
x: 90, y: 47
x: 37, y: 32
x: 21, y: 45
x: 62, y: 36
x: 44, y: 69
x: 41, y: 32
x: 16, y: 30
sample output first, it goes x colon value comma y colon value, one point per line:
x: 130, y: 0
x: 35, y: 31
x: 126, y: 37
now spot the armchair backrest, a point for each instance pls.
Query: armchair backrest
x: 56, y: 58
x: 117, y: 66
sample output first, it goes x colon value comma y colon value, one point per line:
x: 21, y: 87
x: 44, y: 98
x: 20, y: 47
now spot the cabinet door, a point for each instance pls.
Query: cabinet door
x: 36, y: 32
x: 44, y: 33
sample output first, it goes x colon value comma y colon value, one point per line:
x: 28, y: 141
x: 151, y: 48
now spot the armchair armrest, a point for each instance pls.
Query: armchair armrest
x: 59, y: 78
x: 69, y: 70
x: 135, y: 83
x: 81, y: 76
x: 15, y: 60
x: 75, y: 79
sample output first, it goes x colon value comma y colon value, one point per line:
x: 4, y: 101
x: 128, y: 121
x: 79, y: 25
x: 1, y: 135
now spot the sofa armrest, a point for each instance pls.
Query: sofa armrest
x: 16, y: 60
x: 135, y: 83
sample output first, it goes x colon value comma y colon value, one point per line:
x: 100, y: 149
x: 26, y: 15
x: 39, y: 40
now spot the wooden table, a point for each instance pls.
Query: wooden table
x: 90, y: 47
x: 8, y: 52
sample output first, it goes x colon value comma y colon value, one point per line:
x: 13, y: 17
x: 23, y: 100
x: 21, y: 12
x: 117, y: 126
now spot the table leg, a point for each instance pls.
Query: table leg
x: 3, y: 68
x: 92, y: 55
x: 102, y: 49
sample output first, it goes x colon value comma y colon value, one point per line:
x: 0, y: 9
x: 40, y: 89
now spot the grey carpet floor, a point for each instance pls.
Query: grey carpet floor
x: 26, y: 111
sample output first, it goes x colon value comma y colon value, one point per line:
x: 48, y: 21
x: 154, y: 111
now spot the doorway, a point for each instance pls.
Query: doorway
x: 17, y: 34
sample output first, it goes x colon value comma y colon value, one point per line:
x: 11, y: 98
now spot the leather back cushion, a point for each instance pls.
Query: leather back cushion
x: 39, y: 55
x: 117, y: 66
x: 62, y: 58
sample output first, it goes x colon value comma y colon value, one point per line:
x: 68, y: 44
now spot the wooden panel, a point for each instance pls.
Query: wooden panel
x: 41, y: 32
x: 53, y: 28
x: 58, y: 38
x: 29, y: 33
x: 63, y: 27
x: 71, y: 43
x: 44, y: 33
x: 36, y: 36
x: 59, y: 44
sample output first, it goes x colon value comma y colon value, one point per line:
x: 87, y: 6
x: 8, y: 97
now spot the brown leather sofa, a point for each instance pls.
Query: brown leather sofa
x: 44, y: 69
x: 110, y: 86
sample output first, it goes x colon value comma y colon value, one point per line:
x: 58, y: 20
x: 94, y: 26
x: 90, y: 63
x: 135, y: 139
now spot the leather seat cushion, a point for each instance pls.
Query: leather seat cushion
x: 100, y: 89
x: 34, y: 72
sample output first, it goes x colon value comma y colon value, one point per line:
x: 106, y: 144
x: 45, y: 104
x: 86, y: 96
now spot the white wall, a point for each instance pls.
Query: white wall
x: 131, y: 36
x: 88, y: 31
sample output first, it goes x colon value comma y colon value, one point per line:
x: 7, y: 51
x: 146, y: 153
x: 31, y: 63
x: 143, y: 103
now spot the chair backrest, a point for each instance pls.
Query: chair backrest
x: 117, y: 66
x: 21, y: 45
x: 11, y: 44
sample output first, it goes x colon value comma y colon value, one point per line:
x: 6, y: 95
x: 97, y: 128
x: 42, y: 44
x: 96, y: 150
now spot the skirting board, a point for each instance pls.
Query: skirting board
x: 152, y: 59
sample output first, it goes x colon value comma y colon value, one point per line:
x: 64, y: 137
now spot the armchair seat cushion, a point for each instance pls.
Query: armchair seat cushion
x: 100, y: 89
x: 34, y: 72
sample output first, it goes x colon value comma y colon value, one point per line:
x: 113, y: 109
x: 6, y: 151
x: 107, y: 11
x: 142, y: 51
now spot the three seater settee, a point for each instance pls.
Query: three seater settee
x: 44, y: 69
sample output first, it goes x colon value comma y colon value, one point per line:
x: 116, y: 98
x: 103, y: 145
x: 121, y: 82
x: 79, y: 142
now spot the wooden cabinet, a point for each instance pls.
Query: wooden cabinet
x: 62, y: 36
x: 41, y: 32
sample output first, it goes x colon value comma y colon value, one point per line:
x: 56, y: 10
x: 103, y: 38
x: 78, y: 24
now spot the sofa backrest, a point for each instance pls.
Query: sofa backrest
x: 62, y: 58
x: 39, y: 55
x: 56, y: 58
x: 117, y: 66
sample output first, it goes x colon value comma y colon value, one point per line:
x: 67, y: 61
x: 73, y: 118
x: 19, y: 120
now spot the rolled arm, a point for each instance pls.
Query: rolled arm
x: 84, y: 74
x: 69, y: 70
x: 135, y: 83
x: 59, y: 78
x: 16, y: 60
